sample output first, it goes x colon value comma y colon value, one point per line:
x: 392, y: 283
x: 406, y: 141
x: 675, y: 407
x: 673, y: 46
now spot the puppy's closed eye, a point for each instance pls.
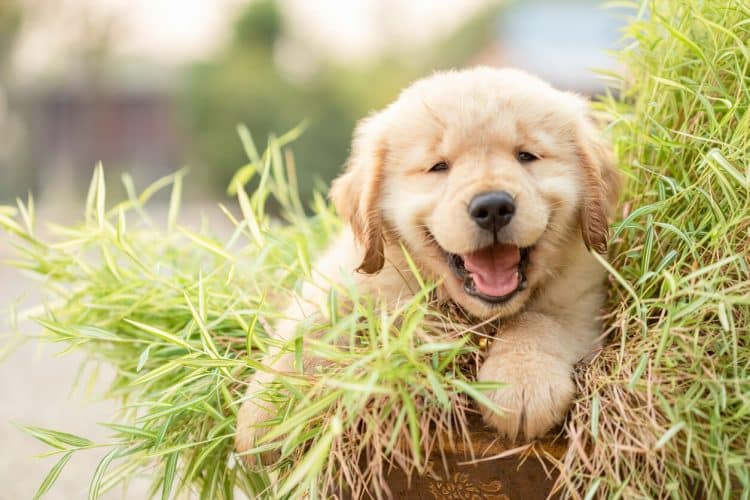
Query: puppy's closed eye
x: 441, y: 166
x: 526, y: 157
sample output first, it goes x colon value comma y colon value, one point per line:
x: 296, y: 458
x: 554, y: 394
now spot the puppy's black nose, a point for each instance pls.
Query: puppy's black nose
x: 492, y: 211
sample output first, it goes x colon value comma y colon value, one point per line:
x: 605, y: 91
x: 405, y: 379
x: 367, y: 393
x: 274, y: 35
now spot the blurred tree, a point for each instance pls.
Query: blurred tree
x: 10, y: 25
x: 244, y: 84
x: 28, y: 158
x: 11, y: 17
x: 258, y: 25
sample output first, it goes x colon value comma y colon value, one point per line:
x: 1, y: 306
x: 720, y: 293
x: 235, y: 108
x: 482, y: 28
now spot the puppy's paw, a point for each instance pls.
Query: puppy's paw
x: 537, y: 397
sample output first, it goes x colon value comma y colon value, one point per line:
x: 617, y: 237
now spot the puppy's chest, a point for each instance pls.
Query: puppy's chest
x: 458, y: 323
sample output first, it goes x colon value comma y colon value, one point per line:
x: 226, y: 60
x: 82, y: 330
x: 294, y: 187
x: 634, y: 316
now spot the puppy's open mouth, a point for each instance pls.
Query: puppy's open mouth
x: 493, y: 274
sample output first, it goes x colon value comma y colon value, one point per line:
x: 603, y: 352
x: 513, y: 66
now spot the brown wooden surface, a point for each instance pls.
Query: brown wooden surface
x: 520, y: 476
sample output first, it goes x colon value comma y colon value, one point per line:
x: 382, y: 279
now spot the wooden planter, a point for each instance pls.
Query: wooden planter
x: 526, y: 476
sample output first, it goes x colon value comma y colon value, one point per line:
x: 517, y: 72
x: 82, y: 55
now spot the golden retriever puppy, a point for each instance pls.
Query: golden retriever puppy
x: 499, y: 186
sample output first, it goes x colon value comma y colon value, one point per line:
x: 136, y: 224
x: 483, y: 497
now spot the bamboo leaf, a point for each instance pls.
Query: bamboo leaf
x: 170, y: 469
x: 52, y: 475
x: 96, y: 480
x: 56, y: 439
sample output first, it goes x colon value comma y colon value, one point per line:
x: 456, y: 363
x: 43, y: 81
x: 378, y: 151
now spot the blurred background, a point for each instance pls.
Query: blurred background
x: 150, y: 86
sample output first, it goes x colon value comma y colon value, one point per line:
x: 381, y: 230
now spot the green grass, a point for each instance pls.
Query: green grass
x: 665, y: 408
x: 184, y: 315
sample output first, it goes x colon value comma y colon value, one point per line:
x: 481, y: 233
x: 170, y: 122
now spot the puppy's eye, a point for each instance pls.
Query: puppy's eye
x: 526, y: 157
x: 439, y: 167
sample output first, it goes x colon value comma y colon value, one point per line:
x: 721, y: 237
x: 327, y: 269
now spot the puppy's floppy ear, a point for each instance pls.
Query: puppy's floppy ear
x: 356, y: 193
x: 601, y: 185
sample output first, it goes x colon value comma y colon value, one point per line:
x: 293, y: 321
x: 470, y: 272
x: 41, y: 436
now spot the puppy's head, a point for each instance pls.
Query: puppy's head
x: 489, y: 177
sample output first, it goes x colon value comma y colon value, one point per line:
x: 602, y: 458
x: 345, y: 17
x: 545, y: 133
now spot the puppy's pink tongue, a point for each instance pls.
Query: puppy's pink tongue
x: 494, y: 269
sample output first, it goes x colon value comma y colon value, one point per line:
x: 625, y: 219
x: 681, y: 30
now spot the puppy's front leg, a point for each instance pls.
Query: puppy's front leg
x: 254, y: 412
x: 534, y: 356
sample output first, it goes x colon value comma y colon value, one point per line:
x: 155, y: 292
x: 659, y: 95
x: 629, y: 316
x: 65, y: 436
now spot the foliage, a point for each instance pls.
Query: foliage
x: 183, y: 316
x: 12, y: 15
x: 665, y: 408
x: 243, y: 83
x: 10, y: 23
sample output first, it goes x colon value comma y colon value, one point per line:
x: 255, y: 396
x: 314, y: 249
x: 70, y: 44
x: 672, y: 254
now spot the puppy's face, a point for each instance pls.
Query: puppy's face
x: 487, y: 176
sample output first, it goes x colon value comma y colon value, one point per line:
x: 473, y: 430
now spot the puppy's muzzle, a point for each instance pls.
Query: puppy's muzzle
x: 492, y: 211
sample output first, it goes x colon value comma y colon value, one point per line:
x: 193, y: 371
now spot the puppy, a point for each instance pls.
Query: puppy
x: 499, y: 186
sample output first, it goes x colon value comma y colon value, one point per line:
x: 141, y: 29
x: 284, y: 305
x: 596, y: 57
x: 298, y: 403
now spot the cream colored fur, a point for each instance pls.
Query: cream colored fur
x: 477, y: 120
